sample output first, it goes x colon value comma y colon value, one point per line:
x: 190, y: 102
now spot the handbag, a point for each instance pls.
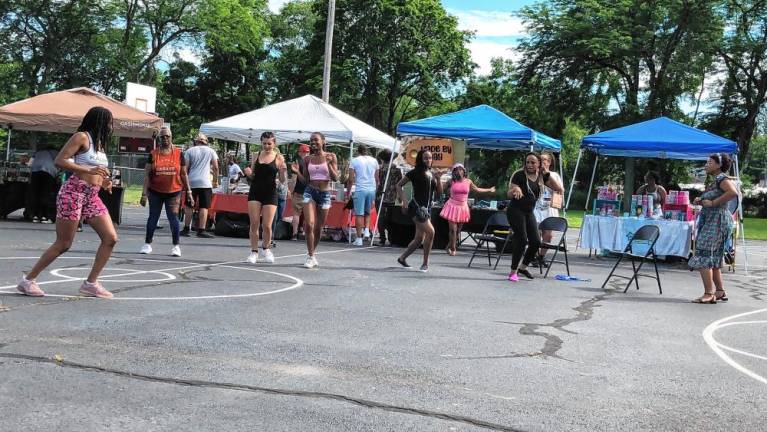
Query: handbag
x: 556, y: 200
x: 422, y: 213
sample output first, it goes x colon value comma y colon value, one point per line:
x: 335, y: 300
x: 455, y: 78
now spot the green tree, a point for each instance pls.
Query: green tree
x: 392, y: 59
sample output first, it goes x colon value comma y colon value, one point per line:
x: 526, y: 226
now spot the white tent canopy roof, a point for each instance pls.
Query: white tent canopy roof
x: 295, y: 120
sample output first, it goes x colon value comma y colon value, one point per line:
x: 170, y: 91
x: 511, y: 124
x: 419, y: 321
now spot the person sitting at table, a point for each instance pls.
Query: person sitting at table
x: 525, y: 187
x: 263, y: 197
x: 651, y: 187
x: 320, y: 167
x: 456, y: 209
x: 544, y: 208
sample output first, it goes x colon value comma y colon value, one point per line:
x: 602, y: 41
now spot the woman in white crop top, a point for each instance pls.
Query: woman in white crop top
x: 84, y: 155
x: 320, y: 167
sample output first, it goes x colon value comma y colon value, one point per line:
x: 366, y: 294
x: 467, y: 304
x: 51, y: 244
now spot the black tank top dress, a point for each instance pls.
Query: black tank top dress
x: 263, y: 187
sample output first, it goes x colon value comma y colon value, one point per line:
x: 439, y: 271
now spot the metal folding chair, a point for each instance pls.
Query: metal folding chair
x: 496, y: 230
x: 557, y: 224
x: 648, y: 234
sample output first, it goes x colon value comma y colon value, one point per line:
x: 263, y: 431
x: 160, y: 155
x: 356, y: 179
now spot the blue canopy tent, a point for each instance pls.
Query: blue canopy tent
x: 481, y: 127
x: 661, y: 138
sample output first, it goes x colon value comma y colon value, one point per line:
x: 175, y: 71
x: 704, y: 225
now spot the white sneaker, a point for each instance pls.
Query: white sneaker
x: 175, y: 251
x: 314, y: 262
x: 358, y: 241
x: 253, y: 257
x: 146, y: 249
x: 366, y: 233
x: 261, y: 253
x: 309, y: 262
x: 268, y: 256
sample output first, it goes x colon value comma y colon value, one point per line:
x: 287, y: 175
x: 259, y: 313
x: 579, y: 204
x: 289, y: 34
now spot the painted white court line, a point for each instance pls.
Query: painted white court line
x: 228, y: 264
x: 719, y: 348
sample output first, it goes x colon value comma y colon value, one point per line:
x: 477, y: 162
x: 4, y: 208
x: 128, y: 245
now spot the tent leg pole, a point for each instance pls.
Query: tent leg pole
x: 8, y: 147
x: 572, y: 182
x: 562, y: 176
x: 380, y: 205
x: 740, y: 215
x: 354, y: 218
x: 591, y: 183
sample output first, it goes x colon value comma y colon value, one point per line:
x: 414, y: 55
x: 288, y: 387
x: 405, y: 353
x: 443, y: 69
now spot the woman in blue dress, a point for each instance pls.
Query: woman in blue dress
x: 714, y: 227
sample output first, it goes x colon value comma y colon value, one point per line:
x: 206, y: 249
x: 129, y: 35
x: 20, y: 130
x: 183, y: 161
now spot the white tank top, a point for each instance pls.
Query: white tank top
x: 91, y: 157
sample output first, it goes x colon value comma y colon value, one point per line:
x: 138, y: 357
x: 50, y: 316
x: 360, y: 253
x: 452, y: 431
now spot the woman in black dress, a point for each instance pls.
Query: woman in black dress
x: 426, y: 183
x: 525, y: 188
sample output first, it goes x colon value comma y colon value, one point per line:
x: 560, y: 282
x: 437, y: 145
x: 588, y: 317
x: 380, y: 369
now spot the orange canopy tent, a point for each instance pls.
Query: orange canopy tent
x: 63, y: 112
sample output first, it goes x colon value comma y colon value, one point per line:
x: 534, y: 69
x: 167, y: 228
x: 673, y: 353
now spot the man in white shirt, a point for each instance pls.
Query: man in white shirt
x: 234, y: 173
x: 199, y: 161
x: 363, y: 176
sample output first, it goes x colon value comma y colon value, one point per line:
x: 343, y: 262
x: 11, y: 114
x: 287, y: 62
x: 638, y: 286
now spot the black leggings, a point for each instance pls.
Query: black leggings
x: 525, y: 229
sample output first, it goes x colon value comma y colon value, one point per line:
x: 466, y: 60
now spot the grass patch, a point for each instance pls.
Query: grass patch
x: 756, y: 229
x: 132, y: 194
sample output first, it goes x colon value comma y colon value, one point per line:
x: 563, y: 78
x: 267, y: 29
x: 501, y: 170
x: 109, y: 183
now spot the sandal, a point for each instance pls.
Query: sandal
x: 722, y: 296
x: 701, y: 299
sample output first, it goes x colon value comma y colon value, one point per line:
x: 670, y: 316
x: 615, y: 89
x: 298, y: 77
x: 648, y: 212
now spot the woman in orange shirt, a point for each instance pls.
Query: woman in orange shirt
x: 163, y: 183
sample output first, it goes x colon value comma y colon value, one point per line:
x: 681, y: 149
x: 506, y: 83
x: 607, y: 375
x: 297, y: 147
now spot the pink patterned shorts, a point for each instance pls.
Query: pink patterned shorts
x: 77, y: 199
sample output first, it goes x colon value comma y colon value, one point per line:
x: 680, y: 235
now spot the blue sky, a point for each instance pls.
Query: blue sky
x: 496, y: 30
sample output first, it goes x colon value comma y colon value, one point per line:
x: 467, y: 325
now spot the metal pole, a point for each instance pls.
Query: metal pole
x: 562, y: 176
x: 386, y: 182
x: 8, y: 146
x: 740, y: 216
x: 354, y: 219
x: 591, y: 183
x: 572, y: 183
x: 328, y: 50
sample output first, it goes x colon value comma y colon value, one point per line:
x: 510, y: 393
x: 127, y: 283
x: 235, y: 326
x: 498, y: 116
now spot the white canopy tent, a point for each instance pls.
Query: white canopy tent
x: 295, y: 120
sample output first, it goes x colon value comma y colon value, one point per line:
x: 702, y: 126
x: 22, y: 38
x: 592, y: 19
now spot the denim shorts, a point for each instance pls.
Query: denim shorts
x: 321, y: 198
x: 363, y: 201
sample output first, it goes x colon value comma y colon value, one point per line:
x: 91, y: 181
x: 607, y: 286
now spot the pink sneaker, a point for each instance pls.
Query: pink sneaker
x: 513, y: 277
x: 29, y: 288
x: 95, y: 289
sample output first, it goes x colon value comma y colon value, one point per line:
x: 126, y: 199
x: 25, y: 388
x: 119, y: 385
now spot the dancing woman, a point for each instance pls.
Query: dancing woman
x: 79, y: 197
x: 456, y: 210
x: 425, y: 184
x: 262, y: 198
x: 320, y: 168
x: 525, y: 188
x: 543, y: 208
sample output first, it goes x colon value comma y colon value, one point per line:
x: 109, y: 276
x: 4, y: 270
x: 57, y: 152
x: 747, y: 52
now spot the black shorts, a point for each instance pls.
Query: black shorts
x: 264, y: 195
x: 202, y: 197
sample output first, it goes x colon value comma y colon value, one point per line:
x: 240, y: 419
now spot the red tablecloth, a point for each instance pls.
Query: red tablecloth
x: 338, y: 217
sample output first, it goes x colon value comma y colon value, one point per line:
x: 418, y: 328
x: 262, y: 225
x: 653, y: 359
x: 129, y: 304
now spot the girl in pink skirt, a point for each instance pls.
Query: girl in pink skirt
x: 456, y: 209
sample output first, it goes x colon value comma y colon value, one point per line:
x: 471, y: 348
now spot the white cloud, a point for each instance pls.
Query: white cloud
x: 276, y: 5
x: 483, y: 51
x: 487, y: 23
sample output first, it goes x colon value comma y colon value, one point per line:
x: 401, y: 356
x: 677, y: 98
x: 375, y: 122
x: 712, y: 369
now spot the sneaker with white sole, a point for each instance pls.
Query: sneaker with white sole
x: 309, y: 262
x: 175, y: 251
x: 268, y: 256
x: 94, y: 289
x: 358, y: 241
x: 29, y: 288
x: 146, y: 249
x: 253, y: 257
x: 315, y: 263
x: 366, y: 233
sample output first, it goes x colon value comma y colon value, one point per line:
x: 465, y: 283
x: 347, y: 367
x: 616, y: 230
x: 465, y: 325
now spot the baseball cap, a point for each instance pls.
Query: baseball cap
x: 457, y: 165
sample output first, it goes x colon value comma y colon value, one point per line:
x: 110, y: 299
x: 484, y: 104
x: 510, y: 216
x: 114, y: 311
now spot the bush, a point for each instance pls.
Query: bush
x: 755, y: 205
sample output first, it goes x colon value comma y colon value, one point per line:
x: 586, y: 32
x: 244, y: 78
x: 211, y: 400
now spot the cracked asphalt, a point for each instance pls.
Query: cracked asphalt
x: 207, y: 342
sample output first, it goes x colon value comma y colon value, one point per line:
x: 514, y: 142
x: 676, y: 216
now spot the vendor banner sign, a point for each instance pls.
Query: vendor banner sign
x: 441, y: 151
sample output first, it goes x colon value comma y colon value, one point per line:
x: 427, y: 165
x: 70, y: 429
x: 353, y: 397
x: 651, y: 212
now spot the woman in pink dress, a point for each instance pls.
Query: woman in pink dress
x: 456, y: 209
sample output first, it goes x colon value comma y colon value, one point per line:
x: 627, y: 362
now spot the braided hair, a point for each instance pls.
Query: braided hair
x: 98, y: 123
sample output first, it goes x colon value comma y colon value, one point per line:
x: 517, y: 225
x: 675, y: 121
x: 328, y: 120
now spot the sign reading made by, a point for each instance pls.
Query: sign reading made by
x: 441, y: 151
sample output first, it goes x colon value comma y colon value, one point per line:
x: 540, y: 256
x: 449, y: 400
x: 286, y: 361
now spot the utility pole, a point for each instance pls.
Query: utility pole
x: 328, y: 50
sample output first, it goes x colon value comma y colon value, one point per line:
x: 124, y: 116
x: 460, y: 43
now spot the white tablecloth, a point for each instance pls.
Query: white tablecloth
x: 614, y: 233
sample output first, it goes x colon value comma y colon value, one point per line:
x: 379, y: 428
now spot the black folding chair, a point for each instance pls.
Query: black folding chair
x: 557, y: 224
x: 496, y: 230
x: 649, y: 234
